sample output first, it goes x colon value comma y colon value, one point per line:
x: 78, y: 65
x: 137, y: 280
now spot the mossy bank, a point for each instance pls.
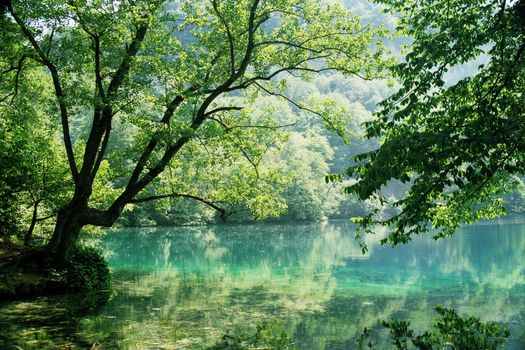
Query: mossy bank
x: 86, y: 271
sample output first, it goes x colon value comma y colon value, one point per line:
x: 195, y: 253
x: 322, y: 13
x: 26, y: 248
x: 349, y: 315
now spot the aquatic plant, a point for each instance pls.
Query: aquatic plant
x: 266, y: 336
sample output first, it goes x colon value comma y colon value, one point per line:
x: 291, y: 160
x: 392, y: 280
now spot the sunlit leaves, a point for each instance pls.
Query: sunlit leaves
x: 175, y: 86
x: 33, y: 168
x: 457, y: 145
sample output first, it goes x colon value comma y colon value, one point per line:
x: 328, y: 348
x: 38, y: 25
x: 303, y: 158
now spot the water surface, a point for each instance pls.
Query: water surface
x: 177, y: 288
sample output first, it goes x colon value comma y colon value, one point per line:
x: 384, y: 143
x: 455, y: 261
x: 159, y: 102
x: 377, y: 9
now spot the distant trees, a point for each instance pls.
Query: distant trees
x: 460, y: 145
x: 305, y: 152
x: 175, y: 81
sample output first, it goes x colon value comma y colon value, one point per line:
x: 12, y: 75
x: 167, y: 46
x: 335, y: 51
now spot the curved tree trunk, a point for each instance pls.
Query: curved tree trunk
x: 70, y: 220
x: 65, y: 235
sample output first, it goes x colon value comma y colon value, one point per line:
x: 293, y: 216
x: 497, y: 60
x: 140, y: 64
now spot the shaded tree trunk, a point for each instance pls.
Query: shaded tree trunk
x: 29, y: 233
x: 61, y: 246
x: 65, y: 235
x: 70, y: 221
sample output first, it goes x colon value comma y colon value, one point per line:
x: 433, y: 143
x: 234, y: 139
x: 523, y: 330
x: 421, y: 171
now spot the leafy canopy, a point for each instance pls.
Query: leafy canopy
x: 458, y: 145
x: 154, y: 99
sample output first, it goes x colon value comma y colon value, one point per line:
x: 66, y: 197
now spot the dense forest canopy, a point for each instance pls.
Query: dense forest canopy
x: 459, y: 146
x: 152, y: 100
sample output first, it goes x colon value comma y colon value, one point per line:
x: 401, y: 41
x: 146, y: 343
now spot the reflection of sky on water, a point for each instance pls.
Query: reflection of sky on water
x: 177, y: 287
x: 316, y: 274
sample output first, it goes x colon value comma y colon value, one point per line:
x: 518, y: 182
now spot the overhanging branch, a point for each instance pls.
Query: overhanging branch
x: 46, y: 217
x: 223, y: 212
x: 222, y: 109
x: 249, y: 126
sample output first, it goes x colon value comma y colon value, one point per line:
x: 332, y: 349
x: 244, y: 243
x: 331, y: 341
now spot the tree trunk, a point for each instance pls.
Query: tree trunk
x: 29, y: 233
x: 62, y: 244
x: 70, y: 220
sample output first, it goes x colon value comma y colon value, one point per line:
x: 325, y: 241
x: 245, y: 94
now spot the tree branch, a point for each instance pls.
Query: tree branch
x: 224, y: 213
x: 50, y: 41
x: 17, y: 78
x: 98, y: 76
x: 125, y: 65
x: 301, y: 107
x: 146, y: 154
x: 139, y: 183
x: 288, y: 69
x: 231, y: 127
x: 221, y: 109
x: 228, y: 33
x: 58, y: 91
x: 96, y: 145
x: 46, y: 217
x: 101, y: 152
x: 297, y: 105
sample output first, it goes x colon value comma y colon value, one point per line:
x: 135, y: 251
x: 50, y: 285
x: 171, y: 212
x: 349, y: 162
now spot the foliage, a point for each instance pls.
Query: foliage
x: 305, y: 159
x: 33, y: 169
x: 514, y: 200
x: 266, y: 336
x: 303, y: 154
x: 312, y: 151
x: 449, y: 330
x: 155, y: 100
x: 87, y: 271
x: 460, y: 145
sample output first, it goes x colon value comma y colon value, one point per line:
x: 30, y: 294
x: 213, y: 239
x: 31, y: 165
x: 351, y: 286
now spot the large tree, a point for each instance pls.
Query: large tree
x: 176, y: 75
x: 459, y: 143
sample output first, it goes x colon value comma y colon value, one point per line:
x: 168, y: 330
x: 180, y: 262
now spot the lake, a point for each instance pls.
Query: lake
x: 183, y: 288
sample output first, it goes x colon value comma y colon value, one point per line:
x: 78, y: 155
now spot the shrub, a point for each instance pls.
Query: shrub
x: 87, y: 271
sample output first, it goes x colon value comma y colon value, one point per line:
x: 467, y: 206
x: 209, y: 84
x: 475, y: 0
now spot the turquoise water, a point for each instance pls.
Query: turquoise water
x: 177, y: 288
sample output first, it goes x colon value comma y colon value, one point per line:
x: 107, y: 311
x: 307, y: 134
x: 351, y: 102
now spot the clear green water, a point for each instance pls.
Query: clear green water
x: 182, y: 288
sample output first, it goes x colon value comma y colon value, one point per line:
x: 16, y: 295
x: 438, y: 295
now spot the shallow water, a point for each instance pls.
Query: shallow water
x: 177, y: 288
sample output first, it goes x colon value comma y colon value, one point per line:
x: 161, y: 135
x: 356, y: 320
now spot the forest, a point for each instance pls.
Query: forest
x: 172, y: 124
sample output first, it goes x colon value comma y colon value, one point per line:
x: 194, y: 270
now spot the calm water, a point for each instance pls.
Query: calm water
x: 180, y: 288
